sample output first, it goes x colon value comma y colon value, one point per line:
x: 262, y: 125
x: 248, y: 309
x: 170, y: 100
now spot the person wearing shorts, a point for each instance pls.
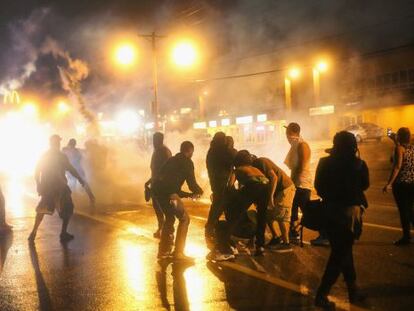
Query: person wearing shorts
x: 52, y: 186
x: 280, y: 200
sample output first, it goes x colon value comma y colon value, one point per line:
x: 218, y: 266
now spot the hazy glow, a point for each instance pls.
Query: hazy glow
x: 63, y: 107
x: 23, y: 140
x: 125, y: 54
x: 322, y: 66
x: 225, y: 122
x: 29, y: 109
x: 184, y: 54
x: 294, y: 73
x: 212, y: 124
x: 200, y: 125
x: 134, y: 271
x: 244, y: 120
x: 127, y: 122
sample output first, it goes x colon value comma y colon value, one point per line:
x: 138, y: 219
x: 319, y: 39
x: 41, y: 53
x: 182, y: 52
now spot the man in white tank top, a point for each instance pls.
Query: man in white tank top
x: 298, y: 161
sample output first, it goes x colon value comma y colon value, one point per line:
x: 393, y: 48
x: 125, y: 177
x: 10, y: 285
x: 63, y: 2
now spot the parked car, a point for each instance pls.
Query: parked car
x: 364, y: 131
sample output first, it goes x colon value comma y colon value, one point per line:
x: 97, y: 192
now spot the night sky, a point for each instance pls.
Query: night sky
x: 236, y: 35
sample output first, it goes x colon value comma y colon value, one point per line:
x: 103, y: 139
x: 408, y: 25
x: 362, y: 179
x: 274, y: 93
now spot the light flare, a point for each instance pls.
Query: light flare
x: 125, y: 54
x: 23, y: 140
x: 184, y: 54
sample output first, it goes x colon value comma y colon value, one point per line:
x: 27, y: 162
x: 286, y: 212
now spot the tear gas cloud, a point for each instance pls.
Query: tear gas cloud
x: 245, y: 37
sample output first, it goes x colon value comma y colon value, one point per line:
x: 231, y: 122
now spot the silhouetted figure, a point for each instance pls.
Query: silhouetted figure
x: 52, y: 186
x: 75, y: 158
x: 4, y: 226
x: 402, y: 182
x: 340, y: 181
x: 219, y: 164
x: 167, y: 191
x: 159, y: 157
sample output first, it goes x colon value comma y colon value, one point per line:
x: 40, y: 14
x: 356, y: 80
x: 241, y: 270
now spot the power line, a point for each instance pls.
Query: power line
x: 323, y: 38
x: 246, y: 75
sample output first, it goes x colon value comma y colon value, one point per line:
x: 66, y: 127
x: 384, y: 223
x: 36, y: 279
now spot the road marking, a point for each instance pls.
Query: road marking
x: 384, y: 227
x: 259, y: 274
x: 301, y: 289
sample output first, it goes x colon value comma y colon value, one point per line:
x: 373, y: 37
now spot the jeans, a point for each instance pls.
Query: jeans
x: 158, y: 212
x: 404, y: 197
x: 215, y: 211
x: 173, y: 208
x: 302, y: 197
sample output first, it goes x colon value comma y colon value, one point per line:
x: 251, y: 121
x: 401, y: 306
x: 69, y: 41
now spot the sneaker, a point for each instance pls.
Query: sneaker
x: 324, y: 303
x: 259, y: 251
x: 320, y: 241
x: 65, y: 237
x: 273, y: 242
x: 402, y: 242
x: 294, y: 235
x: 282, y: 248
x: 179, y: 257
x: 218, y: 256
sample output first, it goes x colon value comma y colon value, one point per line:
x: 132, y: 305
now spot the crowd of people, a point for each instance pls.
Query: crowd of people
x: 240, y: 180
x: 250, y: 194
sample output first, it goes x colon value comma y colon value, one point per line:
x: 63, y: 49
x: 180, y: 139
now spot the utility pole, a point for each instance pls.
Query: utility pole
x: 153, y: 37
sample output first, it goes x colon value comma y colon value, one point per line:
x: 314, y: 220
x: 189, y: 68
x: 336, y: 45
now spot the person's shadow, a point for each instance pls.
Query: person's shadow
x: 179, y: 285
x: 5, y: 243
x: 45, y: 302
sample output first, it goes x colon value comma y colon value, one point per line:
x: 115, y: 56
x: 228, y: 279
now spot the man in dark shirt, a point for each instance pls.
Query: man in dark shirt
x: 167, y: 191
x: 53, y: 188
x: 159, y: 157
x: 219, y: 164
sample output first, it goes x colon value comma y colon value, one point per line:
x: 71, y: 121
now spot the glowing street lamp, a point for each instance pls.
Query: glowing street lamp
x: 184, y: 54
x: 321, y: 66
x: 125, y: 54
x: 292, y: 74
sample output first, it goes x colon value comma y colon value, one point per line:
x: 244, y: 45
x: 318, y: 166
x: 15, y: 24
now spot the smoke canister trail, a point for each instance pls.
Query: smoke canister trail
x: 72, y: 85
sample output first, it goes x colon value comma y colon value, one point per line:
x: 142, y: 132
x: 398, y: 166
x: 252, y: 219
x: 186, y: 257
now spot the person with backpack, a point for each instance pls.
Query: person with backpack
x: 340, y: 180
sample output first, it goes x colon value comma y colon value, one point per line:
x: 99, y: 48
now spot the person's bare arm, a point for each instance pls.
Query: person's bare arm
x: 232, y: 179
x: 398, y: 158
x: 273, y: 184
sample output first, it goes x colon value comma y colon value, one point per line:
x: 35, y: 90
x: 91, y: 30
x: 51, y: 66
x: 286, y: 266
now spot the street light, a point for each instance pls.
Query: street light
x: 321, y: 66
x: 292, y: 74
x: 184, y: 54
x: 125, y: 54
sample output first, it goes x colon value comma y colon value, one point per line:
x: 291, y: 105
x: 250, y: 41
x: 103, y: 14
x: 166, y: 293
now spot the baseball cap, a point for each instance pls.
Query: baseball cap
x: 293, y: 127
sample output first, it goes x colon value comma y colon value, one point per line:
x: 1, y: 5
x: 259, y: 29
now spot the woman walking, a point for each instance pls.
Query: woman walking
x: 402, y: 182
x: 340, y: 181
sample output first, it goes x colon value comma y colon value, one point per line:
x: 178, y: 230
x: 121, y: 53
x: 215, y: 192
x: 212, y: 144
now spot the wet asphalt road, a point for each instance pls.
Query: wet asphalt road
x: 111, y: 264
